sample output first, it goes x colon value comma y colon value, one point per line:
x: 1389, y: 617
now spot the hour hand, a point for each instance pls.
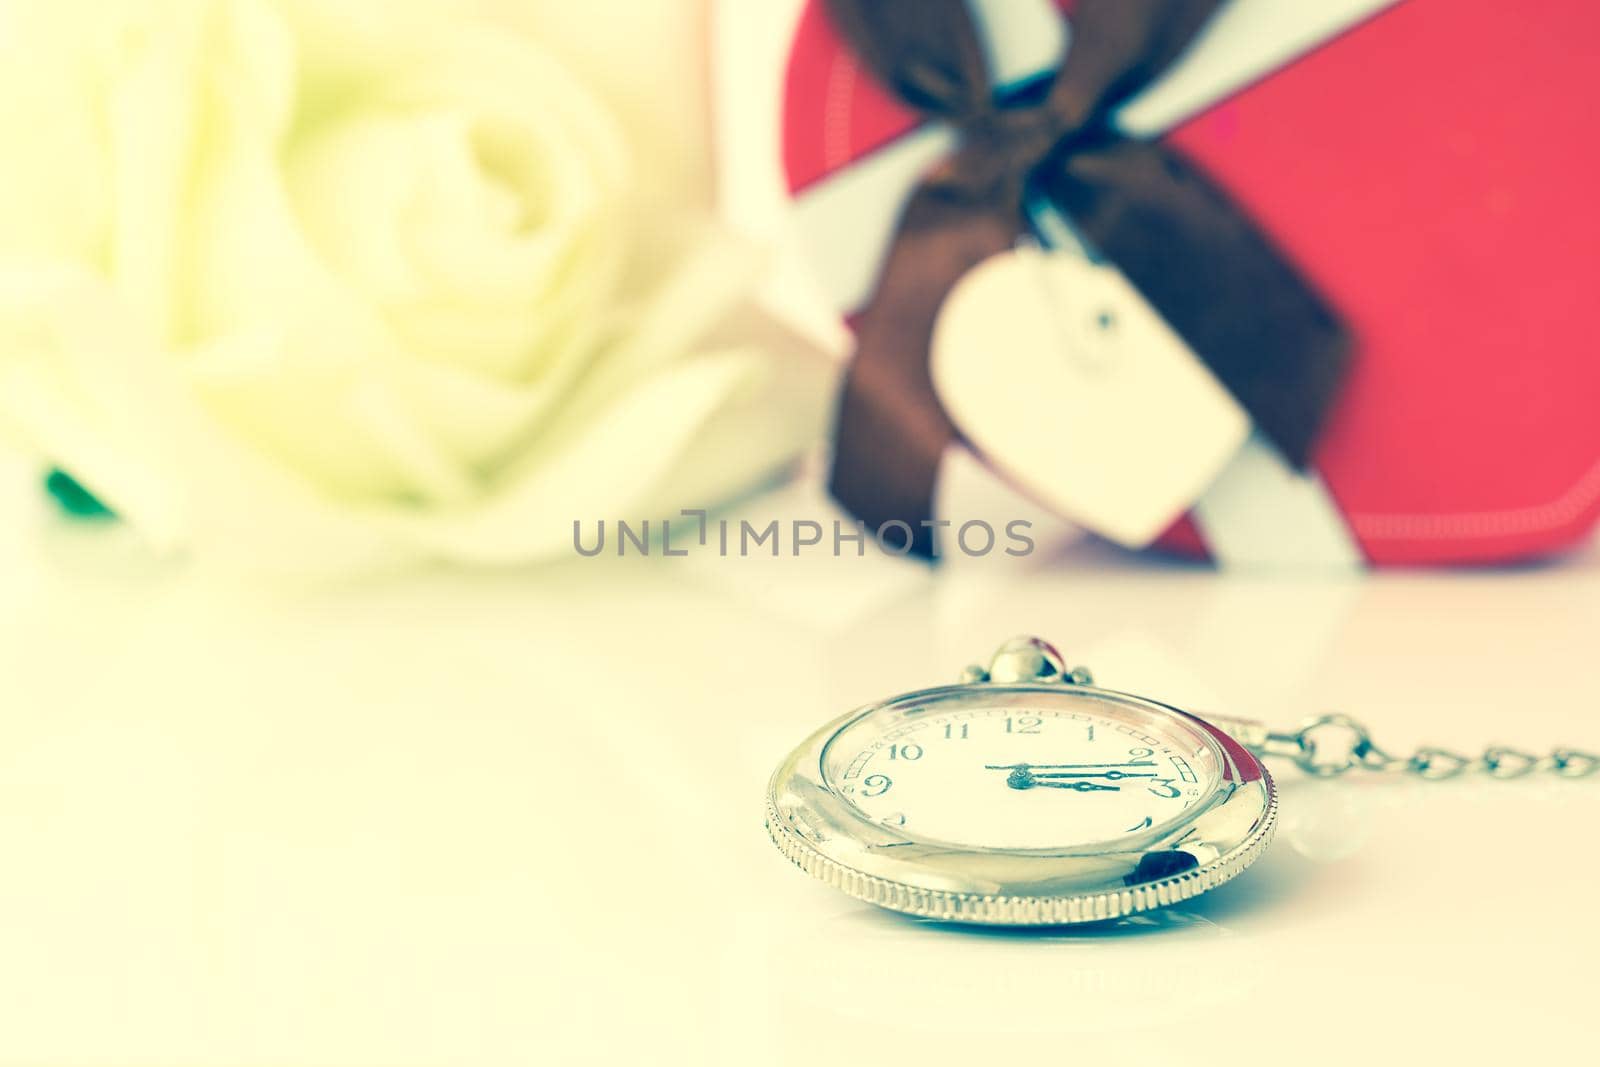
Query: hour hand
x: 1022, y: 777
x: 1078, y: 786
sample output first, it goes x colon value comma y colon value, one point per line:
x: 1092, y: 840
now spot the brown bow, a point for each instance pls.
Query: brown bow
x: 1192, y: 253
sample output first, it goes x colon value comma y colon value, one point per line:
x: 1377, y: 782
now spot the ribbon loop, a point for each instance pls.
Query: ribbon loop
x: 926, y: 52
x: 1119, y: 47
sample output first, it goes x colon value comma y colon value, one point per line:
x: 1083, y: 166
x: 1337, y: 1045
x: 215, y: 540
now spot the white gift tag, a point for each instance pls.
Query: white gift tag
x: 1072, y: 386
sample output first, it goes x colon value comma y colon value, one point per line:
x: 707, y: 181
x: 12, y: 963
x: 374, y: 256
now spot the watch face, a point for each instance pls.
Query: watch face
x: 1065, y: 769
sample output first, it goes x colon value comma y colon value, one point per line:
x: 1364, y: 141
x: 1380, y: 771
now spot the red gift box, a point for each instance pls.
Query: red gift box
x: 1428, y: 168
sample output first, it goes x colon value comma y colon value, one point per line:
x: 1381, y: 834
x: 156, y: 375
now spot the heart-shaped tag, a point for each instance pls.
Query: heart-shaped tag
x: 1070, y: 384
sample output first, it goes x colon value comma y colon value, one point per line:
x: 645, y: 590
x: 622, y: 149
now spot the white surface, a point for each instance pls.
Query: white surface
x: 515, y: 818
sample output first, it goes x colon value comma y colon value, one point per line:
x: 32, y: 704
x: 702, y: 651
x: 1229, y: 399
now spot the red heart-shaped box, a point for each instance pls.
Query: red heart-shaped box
x: 1431, y: 170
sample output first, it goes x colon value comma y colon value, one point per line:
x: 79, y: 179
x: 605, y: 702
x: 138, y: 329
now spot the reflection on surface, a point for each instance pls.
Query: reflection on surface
x: 1090, y: 978
x: 1325, y: 820
x: 1163, y: 921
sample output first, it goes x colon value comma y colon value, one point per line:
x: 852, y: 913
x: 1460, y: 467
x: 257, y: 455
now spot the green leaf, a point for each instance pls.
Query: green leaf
x: 73, y: 498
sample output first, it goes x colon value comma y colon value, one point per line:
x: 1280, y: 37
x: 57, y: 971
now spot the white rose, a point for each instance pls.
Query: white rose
x: 341, y: 282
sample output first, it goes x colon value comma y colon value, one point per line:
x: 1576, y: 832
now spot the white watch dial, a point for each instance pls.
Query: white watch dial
x: 1012, y: 776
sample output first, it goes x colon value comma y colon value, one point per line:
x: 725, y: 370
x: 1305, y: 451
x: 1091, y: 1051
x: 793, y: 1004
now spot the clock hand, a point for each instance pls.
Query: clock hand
x: 1031, y: 772
x: 1109, y: 775
x: 1080, y: 787
x: 1068, y: 766
x: 1022, y: 778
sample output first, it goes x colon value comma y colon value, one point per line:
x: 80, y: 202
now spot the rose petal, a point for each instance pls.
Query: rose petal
x: 599, y: 475
x: 198, y: 80
x: 55, y: 202
x: 705, y: 286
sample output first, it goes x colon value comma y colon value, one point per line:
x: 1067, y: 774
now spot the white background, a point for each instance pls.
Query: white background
x: 515, y: 818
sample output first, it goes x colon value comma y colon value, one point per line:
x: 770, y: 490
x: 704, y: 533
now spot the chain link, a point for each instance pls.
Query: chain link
x: 1330, y: 745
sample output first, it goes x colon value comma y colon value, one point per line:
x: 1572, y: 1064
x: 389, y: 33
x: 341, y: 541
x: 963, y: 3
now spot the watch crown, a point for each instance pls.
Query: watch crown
x: 1023, y: 660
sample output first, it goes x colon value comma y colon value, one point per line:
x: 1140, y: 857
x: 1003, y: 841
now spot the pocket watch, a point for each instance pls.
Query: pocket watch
x: 1027, y: 795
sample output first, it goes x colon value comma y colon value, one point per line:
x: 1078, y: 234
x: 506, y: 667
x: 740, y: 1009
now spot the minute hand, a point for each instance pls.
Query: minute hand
x: 1067, y: 766
x: 1110, y: 776
x: 1072, y: 770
